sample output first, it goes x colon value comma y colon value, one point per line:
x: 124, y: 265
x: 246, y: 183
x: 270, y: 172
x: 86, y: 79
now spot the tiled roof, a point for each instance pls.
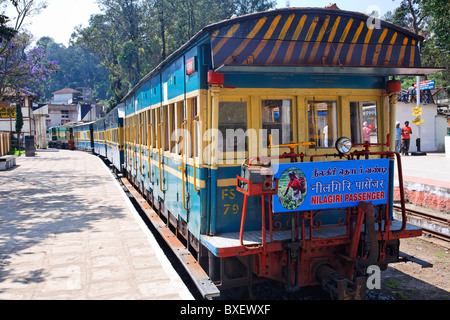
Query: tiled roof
x: 66, y: 90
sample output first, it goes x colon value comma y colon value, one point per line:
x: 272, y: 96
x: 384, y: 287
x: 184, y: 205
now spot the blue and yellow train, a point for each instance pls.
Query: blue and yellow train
x: 266, y: 143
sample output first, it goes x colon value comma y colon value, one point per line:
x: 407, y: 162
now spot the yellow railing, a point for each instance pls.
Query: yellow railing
x: 140, y: 149
x: 182, y: 168
x: 161, y: 180
x: 194, y: 151
x: 149, y: 154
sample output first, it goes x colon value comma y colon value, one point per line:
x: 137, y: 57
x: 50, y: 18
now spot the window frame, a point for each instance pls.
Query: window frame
x: 237, y: 156
x: 337, y: 99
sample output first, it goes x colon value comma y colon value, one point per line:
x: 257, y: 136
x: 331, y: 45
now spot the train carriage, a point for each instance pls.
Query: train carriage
x: 265, y: 142
x: 84, y: 136
x: 114, y: 137
x: 62, y: 137
x: 99, y: 137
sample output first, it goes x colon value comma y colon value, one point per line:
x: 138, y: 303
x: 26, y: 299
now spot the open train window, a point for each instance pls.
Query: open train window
x: 322, y: 122
x: 363, y: 121
x: 233, y: 126
x: 277, y: 121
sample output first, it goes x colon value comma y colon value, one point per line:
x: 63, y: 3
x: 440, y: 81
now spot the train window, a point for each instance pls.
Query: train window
x: 233, y: 126
x: 277, y: 120
x: 363, y: 121
x: 322, y: 122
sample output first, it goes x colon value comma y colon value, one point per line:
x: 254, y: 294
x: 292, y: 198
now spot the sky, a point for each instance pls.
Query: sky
x: 61, y: 17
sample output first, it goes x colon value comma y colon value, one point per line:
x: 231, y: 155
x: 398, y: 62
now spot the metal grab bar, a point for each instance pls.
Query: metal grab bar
x: 161, y: 180
x: 140, y: 149
x: 194, y: 146
x: 150, y: 174
x: 134, y: 150
x: 183, y: 170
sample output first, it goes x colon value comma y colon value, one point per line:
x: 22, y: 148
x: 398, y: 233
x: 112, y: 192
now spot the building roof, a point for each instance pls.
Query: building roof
x: 66, y: 90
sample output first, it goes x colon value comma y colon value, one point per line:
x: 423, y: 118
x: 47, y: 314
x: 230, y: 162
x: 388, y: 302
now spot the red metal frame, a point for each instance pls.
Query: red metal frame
x: 340, y: 251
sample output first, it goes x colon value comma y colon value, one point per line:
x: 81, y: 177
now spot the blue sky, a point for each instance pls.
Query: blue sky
x: 60, y: 18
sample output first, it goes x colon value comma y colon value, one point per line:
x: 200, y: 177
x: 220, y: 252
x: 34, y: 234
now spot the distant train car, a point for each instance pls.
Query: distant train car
x: 84, y: 136
x: 114, y: 137
x: 238, y: 140
x: 61, y: 137
x: 99, y: 137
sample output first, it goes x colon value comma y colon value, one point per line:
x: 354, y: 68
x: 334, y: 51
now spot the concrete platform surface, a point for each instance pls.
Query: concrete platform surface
x: 67, y: 231
x: 426, y: 181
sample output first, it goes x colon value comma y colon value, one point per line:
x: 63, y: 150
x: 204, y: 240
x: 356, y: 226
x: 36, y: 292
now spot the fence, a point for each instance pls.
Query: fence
x: 5, y: 143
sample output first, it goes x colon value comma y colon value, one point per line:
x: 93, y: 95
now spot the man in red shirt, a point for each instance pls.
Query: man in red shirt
x: 406, y: 132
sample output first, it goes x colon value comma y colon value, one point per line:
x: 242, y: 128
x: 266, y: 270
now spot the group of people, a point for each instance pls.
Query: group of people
x: 402, y: 138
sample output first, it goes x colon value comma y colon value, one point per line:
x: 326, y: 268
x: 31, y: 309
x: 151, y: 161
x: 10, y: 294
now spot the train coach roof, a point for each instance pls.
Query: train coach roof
x: 311, y: 37
x: 308, y: 40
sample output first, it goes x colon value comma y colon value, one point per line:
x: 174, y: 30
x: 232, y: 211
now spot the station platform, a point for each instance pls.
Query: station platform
x: 68, y: 232
x: 426, y: 181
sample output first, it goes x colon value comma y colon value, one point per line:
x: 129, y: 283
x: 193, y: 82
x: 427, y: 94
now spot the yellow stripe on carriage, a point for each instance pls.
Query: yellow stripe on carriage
x: 332, y: 35
x: 249, y: 37
x: 389, y: 50
x: 378, y: 48
x: 318, y: 40
x: 402, y: 52
x: 295, y: 37
x: 341, y: 40
x: 229, y: 34
x: 352, y: 46
x: 267, y: 36
x: 199, y: 183
x: 283, y: 32
x: 413, y: 50
x: 308, y: 38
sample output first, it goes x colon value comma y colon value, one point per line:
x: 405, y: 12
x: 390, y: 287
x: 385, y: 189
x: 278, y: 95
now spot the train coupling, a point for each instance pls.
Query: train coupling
x: 339, y: 287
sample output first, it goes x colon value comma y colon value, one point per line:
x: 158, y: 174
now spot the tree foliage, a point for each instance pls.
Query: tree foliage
x: 132, y: 37
x: 24, y: 69
x: 430, y: 19
x: 77, y: 68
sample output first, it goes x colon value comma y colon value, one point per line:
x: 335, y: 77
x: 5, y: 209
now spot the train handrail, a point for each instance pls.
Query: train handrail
x: 289, y: 145
x: 150, y: 173
x: 194, y: 154
x: 161, y: 179
x: 134, y: 150
x: 182, y: 168
x: 140, y: 149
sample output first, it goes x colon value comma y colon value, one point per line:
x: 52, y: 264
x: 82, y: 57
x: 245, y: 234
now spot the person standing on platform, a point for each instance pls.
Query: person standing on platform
x: 406, y: 136
x: 398, y: 137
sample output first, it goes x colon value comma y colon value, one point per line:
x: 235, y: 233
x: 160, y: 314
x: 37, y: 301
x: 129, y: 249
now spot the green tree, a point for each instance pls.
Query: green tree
x: 249, y: 6
x: 132, y: 37
x: 78, y: 67
x: 429, y: 18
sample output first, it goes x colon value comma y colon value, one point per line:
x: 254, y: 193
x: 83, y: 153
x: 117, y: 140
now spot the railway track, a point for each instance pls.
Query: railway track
x: 435, y: 226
